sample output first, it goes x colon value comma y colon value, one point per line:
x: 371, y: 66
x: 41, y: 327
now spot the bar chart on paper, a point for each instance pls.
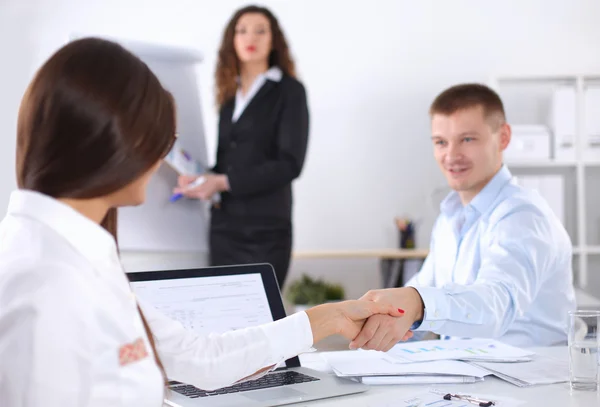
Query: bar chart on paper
x: 469, y: 351
x: 460, y: 349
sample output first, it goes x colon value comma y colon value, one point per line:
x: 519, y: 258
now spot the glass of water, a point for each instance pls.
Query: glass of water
x: 584, y: 344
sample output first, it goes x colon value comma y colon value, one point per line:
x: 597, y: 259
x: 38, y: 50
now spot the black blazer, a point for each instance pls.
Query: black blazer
x: 264, y: 150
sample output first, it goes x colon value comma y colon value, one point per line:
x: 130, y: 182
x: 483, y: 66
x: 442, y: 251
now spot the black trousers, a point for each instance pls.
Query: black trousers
x: 241, y: 240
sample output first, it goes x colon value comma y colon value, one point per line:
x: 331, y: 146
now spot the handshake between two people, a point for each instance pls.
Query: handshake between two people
x: 377, y: 321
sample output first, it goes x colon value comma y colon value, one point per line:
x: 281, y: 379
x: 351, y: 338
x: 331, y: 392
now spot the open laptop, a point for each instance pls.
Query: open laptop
x: 201, y: 301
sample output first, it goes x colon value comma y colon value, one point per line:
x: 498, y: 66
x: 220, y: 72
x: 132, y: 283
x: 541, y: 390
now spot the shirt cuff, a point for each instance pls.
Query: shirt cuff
x: 289, y: 336
x: 435, y: 309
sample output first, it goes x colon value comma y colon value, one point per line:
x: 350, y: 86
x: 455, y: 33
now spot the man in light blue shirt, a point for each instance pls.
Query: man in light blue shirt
x: 500, y: 260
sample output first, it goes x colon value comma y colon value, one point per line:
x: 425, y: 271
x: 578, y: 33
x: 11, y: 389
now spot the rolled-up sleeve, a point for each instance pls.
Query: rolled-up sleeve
x: 513, y: 262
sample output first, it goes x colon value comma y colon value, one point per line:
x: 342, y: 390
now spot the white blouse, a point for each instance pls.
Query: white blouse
x: 70, y: 331
x: 242, y: 100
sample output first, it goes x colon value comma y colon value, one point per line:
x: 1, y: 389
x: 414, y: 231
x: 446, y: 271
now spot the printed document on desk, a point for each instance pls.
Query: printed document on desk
x: 363, y: 363
x: 435, y: 398
x: 481, y: 350
x: 541, y: 370
x: 416, y: 379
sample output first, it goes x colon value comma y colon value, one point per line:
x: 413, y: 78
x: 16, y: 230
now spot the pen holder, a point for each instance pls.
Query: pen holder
x: 406, y: 229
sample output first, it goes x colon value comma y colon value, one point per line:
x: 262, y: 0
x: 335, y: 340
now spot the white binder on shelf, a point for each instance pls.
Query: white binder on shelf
x: 528, y: 142
x: 563, y: 122
x: 591, y: 145
x: 551, y: 187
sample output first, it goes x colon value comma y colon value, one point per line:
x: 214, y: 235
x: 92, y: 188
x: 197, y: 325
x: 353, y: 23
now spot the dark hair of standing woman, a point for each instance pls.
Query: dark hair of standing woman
x: 228, y: 64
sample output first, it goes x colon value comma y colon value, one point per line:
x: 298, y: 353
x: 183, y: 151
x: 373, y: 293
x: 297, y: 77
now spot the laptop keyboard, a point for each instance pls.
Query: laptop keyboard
x: 275, y: 379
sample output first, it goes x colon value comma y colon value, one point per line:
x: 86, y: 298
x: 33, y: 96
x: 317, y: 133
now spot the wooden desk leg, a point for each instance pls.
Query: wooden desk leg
x: 386, y: 271
x: 400, y: 279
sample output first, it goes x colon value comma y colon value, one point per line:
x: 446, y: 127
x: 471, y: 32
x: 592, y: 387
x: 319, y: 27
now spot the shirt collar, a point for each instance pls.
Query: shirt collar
x: 86, y: 236
x: 274, y: 74
x: 482, y: 201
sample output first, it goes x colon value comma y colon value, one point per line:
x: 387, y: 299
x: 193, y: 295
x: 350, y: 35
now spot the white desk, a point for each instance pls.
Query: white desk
x: 556, y: 395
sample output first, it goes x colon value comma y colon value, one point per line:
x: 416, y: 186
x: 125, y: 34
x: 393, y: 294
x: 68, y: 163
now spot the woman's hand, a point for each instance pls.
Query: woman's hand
x: 346, y: 318
x: 213, y: 183
x: 382, y: 332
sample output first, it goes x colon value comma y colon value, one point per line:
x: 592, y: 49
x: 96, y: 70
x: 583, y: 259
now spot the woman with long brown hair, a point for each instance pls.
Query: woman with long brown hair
x: 94, y: 125
x: 263, y: 136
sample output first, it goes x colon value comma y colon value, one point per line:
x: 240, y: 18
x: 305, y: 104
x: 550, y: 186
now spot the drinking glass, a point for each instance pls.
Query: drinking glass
x: 584, y: 344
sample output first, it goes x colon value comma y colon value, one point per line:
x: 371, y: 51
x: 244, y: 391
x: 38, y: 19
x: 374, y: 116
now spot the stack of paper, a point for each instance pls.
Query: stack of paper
x: 541, y: 370
x: 439, y: 361
x: 373, y: 367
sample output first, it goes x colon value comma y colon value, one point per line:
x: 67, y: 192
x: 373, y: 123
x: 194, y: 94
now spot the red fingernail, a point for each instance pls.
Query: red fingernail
x: 400, y: 310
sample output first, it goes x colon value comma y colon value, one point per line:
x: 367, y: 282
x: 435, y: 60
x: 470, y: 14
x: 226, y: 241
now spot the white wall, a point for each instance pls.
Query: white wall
x: 371, y: 70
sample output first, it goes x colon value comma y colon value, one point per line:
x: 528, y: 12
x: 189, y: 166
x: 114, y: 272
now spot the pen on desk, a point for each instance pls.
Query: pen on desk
x: 197, y: 182
x: 472, y: 400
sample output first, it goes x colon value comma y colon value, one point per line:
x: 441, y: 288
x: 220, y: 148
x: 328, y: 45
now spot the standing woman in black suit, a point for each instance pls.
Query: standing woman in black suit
x: 263, y: 136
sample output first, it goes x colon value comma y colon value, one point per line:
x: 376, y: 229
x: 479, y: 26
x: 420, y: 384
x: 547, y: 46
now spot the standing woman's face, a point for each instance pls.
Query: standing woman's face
x: 252, y: 39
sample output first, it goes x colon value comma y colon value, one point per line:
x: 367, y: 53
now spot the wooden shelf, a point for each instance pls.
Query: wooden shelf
x: 586, y: 250
x: 591, y: 250
x: 536, y: 78
x: 540, y: 164
x: 366, y: 253
x: 549, y: 164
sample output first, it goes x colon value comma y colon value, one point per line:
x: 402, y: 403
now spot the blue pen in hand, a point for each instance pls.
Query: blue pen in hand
x: 197, y: 182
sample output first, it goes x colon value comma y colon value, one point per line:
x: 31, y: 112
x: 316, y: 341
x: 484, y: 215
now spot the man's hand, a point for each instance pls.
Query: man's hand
x: 346, y: 318
x: 381, y: 332
x: 212, y: 184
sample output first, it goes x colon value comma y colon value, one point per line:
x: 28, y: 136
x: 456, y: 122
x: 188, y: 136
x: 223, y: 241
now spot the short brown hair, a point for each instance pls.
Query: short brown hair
x: 468, y: 95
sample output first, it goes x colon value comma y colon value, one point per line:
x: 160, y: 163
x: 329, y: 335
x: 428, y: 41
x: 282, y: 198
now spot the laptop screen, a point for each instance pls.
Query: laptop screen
x: 210, y: 303
x: 214, y: 299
